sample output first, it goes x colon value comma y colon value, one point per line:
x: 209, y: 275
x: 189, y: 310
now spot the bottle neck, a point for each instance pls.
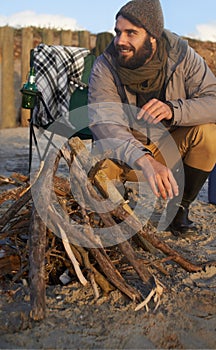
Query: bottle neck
x: 31, y: 79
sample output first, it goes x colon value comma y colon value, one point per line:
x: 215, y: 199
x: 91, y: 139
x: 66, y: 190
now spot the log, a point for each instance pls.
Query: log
x: 113, y: 274
x: 37, y: 244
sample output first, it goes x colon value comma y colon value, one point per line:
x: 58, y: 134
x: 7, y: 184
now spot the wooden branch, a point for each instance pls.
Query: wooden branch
x: 71, y: 255
x: 14, y: 208
x: 13, y: 193
x: 37, y: 273
x: 37, y: 254
x: 94, y: 284
x: 99, y: 278
x: 144, y: 232
x: 113, y: 274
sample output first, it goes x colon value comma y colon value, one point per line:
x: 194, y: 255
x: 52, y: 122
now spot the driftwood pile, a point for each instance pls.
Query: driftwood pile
x: 36, y: 244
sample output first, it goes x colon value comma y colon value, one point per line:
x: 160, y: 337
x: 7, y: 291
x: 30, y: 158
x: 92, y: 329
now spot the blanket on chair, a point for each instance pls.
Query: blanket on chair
x: 55, y: 66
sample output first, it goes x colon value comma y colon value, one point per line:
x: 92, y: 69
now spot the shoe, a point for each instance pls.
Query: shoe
x: 182, y: 226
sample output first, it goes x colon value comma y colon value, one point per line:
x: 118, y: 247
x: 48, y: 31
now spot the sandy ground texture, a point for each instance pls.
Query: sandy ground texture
x: 185, y: 319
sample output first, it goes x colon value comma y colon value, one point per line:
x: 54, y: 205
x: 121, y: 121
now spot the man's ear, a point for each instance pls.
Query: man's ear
x: 153, y: 43
x: 153, y: 40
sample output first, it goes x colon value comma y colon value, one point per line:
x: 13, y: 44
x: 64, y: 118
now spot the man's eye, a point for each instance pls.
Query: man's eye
x: 117, y: 32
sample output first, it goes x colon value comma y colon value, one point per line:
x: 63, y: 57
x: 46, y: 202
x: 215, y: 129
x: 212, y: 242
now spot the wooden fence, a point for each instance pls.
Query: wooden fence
x: 15, y: 46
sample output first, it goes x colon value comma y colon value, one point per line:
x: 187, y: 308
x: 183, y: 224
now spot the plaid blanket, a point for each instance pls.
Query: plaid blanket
x: 55, y: 66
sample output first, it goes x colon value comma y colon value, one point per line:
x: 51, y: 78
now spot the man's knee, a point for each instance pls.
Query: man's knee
x: 205, y: 137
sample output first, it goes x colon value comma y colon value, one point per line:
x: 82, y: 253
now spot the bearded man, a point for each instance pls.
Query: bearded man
x: 168, y: 132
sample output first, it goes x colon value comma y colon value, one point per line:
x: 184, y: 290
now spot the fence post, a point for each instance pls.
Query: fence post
x: 48, y: 36
x: 27, y: 45
x: 84, y: 39
x: 75, y: 39
x: 8, y: 115
x: 66, y: 37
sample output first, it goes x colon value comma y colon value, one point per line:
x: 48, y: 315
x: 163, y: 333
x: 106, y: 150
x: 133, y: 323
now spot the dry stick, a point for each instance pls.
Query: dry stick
x: 99, y: 278
x: 113, y: 274
x: 70, y: 252
x: 106, y: 186
x: 94, y: 275
x: 37, y: 273
x: 71, y: 255
x: 186, y: 264
x: 13, y: 193
x: 15, y: 207
x: 101, y: 257
x: 94, y: 284
x: 37, y: 255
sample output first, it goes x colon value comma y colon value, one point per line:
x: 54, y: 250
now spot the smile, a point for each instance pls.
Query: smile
x: 124, y: 50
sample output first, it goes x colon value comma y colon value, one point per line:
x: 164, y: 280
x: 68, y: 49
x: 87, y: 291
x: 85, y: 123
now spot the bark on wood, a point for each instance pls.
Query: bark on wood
x: 113, y: 274
x: 173, y: 255
x: 37, y: 272
x: 99, y: 278
x: 15, y: 207
x: 10, y: 262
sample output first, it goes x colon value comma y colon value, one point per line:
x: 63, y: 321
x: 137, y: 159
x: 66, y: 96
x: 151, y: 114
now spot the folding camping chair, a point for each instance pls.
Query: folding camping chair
x: 61, y: 78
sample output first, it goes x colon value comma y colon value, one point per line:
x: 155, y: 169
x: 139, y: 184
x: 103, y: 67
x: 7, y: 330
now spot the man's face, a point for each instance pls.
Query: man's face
x: 134, y: 46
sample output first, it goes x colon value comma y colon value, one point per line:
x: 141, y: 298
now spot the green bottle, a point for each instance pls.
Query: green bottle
x: 29, y: 91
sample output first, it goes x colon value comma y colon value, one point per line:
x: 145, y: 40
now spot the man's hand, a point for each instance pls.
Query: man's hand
x: 159, y: 177
x: 155, y: 111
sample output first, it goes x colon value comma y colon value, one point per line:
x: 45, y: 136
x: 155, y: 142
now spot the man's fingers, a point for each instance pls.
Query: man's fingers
x: 154, y: 186
x: 154, y: 111
x: 159, y: 177
x: 174, y: 184
x: 162, y: 187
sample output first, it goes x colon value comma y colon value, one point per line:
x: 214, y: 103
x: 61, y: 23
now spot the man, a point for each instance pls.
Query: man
x: 174, y: 95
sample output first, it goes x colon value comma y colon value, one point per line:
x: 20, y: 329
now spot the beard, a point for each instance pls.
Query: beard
x: 139, y: 58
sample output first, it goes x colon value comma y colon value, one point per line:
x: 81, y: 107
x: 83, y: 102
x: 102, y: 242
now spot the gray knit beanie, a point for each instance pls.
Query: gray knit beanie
x: 145, y: 13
